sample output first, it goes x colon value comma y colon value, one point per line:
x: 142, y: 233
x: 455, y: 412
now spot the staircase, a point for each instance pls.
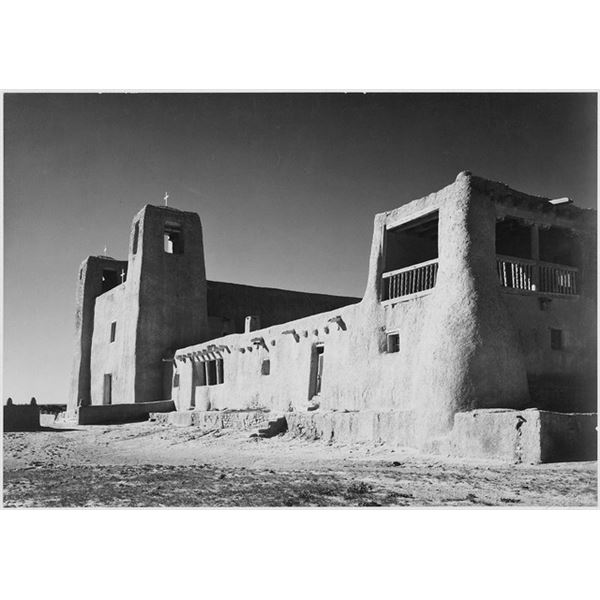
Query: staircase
x: 271, y: 428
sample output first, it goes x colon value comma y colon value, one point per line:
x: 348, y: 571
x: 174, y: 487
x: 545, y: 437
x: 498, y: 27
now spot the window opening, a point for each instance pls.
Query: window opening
x: 513, y: 238
x: 173, y: 238
x: 558, y: 246
x: 556, y: 339
x: 410, y: 257
x: 393, y: 342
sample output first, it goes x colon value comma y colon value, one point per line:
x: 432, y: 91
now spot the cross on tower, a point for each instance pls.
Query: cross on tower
x: 166, y: 198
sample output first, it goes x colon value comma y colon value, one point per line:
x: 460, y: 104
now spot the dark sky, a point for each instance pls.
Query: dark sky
x: 286, y: 186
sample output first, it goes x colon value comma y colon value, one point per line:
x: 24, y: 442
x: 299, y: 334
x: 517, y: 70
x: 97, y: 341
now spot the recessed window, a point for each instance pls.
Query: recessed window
x: 173, y: 238
x: 176, y: 380
x: 393, y: 342
x: 113, y: 331
x: 265, y: 367
x: 556, y: 339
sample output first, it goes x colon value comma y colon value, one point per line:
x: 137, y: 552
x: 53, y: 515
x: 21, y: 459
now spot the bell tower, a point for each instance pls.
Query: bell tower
x: 166, y: 295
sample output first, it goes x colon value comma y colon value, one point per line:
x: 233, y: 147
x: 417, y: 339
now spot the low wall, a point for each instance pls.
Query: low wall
x: 121, y: 413
x: 393, y: 427
x: 528, y: 436
x: 567, y: 437
x: 21, y: 417
x: 214, y: 419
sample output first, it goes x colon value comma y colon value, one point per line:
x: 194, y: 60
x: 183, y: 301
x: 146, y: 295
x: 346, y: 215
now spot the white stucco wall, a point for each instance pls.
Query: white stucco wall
x: 460, y: 346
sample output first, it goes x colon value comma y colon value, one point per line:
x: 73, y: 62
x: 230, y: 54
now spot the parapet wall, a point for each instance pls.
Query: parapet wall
x: 232, y: 303
x: 528, y: 436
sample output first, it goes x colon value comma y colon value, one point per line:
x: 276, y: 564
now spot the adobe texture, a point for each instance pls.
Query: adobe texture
x: 478, y: 297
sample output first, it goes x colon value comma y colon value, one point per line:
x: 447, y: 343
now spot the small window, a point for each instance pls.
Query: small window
x: 176, y: 380
x: 113, y: 331
x: 393, y: 342
x: 136, y: 235
x: 173, y: 239
x: 556, y: 339
x: 265, y: 367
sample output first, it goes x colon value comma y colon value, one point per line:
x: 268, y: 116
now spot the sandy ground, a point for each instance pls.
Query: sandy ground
x: 146, y: 464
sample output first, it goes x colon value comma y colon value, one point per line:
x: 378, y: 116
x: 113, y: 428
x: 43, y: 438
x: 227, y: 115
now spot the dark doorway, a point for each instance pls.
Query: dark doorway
x: 316, y: 368
x: 107, y: 399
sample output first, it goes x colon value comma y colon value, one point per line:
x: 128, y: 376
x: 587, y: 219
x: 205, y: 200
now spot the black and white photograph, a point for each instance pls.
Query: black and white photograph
x: 300, y: 299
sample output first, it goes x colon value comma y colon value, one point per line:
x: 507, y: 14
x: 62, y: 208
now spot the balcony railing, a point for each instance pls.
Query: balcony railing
x: 409, y: 280
x: 513, y: 273
x: 516, y: 273
x: 529, y: 275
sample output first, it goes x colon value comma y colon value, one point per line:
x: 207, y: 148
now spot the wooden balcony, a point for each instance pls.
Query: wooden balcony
x: 536, y: 276
x: 409, y: 280
x: 513, y: 274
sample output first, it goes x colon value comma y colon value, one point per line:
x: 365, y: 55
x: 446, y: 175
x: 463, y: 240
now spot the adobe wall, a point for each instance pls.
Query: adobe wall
x: 232, y: 302
x: 116, y: 358
x: 460, y: 347
x: 89, y: 286
x: 563, y: 379
x: 529, y: 436
x: 161, y: 305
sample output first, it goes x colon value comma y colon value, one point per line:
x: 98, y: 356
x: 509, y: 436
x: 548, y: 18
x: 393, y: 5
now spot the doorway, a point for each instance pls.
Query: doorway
x: 316, y: 379
x: 107, y: 399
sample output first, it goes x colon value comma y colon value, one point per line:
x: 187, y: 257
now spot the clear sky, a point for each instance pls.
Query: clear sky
x: 286, y: 186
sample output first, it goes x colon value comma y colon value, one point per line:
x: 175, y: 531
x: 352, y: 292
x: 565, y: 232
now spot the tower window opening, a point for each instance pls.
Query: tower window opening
x: 173, y: 238
x: 113, y: 331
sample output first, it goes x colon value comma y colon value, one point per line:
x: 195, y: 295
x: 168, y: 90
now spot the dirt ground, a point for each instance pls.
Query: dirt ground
x: 147, y: 464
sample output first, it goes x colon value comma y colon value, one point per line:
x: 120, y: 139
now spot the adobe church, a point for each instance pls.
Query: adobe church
x: 476, y: 334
